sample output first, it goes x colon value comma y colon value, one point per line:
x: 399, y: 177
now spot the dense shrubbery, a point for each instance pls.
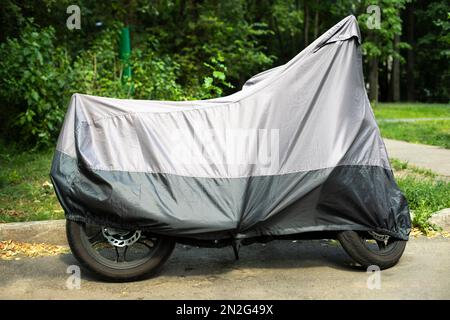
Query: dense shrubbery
x: 33, y: 84
x: 38, y: 78
x: 98, y: 71
x: 186, y: 59
x: 198, y: 49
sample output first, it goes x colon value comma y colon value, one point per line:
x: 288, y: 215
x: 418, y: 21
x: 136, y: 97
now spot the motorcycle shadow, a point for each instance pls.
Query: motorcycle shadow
x: 190, y: 261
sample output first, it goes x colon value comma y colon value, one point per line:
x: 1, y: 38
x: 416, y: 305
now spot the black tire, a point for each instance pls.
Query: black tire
x: 145, y: 267
x: 355, y: 244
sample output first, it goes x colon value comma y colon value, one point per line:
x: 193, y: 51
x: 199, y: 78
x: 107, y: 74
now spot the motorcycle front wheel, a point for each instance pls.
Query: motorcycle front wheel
x: 371, y: 249
x: 117, y: 255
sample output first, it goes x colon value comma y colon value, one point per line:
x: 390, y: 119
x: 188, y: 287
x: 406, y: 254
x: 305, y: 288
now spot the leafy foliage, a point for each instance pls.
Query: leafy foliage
x: 425, y: 191
x: 433, y: 50
x: 190, y: 50
x: 379, y: 42
x: 425, y: 196
x: 98, y: 71
x: 213, y: 85
x: 33, y: 83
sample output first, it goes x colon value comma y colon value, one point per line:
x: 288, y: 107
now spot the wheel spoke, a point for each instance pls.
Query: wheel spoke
x: 381, y: 245
x: 117, y: 254
x: 125, y: 253
x: 103, y: 243
x: 150, y: 247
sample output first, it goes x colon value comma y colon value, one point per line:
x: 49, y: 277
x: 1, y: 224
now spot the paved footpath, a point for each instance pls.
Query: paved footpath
x: 424, y: 156
x: 277, y: 270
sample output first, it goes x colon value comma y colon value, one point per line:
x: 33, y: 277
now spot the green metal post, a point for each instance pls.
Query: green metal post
x: 125, y: 52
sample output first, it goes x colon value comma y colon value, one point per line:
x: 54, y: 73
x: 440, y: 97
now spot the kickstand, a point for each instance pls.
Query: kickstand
x: 236, y: 243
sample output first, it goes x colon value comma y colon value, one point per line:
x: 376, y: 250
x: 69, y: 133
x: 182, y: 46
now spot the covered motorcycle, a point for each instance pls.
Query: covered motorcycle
x: 297, y: 150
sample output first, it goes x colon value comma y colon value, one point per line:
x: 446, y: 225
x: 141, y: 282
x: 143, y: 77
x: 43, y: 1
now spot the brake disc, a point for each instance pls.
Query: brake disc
x: 121, y: 238
x: 379, y: 237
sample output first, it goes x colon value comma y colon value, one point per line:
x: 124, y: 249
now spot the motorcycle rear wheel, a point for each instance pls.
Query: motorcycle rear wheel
x: 367, y: 251
x: 142, y: 258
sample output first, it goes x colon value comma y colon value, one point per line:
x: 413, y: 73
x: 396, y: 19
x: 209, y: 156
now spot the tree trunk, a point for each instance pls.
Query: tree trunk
x: 385, y: 81
x: 279, y: 36
x: 181, y: 9
x: 373, y: 79
x: 297, y: 36
x: 395, y: 79
x: 306, y: 22
x: 316, y: 24
x: 410, y: 58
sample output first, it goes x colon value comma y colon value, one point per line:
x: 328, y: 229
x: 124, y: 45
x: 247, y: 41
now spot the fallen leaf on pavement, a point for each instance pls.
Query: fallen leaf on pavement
x: 10, y: 249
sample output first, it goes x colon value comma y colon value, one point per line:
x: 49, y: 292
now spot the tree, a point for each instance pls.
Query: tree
x: 432, y: 51
x: 185, y: 49
x: 382, y: 44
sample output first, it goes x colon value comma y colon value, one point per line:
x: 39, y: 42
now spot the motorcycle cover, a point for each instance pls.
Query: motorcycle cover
x: 296, y: 150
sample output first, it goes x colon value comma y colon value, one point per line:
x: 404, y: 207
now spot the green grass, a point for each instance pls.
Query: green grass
x: 436, y: 132
x: 404, y: 167
x: 432, y: 132
x: 25, y: 190
x: 411, y: 110
x: 425, y: 192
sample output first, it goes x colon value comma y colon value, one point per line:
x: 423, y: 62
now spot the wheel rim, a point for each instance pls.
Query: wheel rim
x: 118, y: 249
x: 378, y: 244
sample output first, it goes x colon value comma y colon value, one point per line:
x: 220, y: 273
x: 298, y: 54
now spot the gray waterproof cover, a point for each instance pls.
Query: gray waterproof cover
x: 296, y: 150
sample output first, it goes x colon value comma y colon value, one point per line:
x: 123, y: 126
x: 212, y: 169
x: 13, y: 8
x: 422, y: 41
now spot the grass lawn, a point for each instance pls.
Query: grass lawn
x: 26, y: 193
x: 433, y: 132
x: 411, y: 110
x: 425, y: 192
x: 436, y: 132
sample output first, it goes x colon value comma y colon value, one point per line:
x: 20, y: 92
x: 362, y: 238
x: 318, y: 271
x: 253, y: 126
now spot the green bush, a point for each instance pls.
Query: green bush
x: 154, y: 77
x: 213, y: 85
x: 37, y: 78
x: 98, y: 71
x: 425, y: 196
x: 33, y: 86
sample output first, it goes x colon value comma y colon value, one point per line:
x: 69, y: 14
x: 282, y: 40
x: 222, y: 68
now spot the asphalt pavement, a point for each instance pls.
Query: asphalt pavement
x: 276, y: 270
